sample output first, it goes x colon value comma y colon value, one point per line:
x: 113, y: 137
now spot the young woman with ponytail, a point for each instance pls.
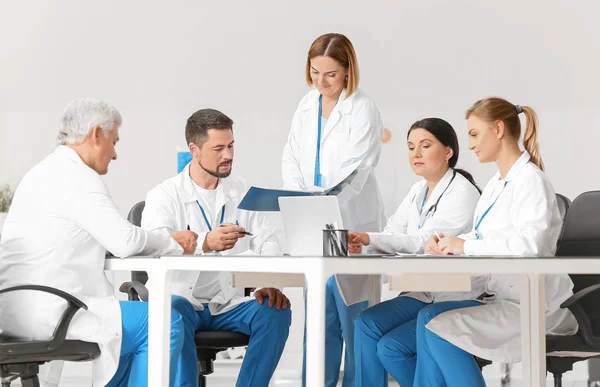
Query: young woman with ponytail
x: 444, y: 202
x: 516, y: 215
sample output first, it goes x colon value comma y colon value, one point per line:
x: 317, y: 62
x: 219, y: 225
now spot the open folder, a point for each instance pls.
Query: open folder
x: 263, y: 199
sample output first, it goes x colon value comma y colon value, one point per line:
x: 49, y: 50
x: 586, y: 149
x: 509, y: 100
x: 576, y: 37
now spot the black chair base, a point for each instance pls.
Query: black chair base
x: 15, y: 364
x: 27, y: 372
x: 557, y: 366
x: 220, y: 340
x: 208, y: 344
x: 201, y: 380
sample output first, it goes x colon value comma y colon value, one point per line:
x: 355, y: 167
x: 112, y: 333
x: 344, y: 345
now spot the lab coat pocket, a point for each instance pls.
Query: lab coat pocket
x: 507, y: 287
x: 226, y: 281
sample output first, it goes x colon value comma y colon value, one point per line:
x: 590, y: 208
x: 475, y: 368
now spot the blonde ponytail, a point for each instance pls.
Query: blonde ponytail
x: 497, y: 109
x: 530, y: 138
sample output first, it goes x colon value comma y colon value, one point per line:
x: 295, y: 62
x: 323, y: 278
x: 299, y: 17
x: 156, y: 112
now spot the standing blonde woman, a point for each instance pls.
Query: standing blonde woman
x: 335, y: 141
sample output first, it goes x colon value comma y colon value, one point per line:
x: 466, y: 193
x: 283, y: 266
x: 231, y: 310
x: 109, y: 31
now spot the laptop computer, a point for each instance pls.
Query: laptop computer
x: 304, y: 219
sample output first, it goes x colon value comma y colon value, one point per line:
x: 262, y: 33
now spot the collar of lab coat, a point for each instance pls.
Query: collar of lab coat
x: 69, y: 153
x: 517, y: 167
x: 437, y: 191
x: 188, y: 193
x: 344, y: 105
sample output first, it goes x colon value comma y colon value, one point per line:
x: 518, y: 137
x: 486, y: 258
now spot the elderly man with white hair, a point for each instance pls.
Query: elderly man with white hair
x: 60, y: 225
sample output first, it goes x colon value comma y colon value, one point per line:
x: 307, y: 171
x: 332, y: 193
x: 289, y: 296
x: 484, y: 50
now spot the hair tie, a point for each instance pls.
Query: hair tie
x: 519, y: 109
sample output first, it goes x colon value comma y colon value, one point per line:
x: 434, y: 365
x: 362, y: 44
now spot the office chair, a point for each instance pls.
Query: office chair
x: 563, y: 205
x: 21, y: 359
x: 208, y: 344
x: 580, y: 237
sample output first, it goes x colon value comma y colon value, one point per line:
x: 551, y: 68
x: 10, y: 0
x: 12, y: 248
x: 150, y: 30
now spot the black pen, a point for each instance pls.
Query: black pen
x: 188, y: 228
x: 245, y: 232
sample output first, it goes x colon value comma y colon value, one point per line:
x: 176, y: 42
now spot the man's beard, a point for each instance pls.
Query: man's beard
x: 218, y: 174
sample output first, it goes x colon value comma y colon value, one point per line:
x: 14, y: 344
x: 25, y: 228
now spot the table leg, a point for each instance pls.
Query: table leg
x: 375, y: 293
x: 538, y: 329
x: 526, y: 329
x: 315, y: 326
x: 159, y: 326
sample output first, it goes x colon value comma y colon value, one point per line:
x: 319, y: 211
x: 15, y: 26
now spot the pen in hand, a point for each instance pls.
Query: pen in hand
x: 437, y: 235
x: 188, y: 227
x: 245, y: 232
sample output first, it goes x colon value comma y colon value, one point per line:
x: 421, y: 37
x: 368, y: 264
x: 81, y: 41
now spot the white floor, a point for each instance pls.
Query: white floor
x: 78, y: 375
x: 217, y: 382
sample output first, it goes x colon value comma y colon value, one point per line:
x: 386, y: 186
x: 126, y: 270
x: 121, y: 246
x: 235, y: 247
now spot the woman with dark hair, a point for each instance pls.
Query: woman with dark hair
x: 443, y: 202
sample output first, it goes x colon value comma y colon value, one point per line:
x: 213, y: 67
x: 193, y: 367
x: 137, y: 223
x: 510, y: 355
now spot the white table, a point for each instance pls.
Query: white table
x: 317, y: 270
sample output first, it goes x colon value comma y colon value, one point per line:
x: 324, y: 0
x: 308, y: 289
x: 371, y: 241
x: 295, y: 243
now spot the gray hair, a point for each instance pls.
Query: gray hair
x: 82, y: 115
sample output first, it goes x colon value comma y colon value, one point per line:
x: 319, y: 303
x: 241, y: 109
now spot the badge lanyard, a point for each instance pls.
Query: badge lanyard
x: 206, y: 219
x: 317, y: 180
x: 480, y: 218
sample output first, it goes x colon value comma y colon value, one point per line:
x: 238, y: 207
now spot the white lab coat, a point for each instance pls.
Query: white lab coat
x: 350, y: 149
x: 60, y: 224
x: 172, y: 206
x: 524, y: 221
x: 454, y: 216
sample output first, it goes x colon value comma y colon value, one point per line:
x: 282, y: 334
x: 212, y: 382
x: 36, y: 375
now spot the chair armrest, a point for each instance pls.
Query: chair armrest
x: 74, y: 304
x: 573, y: 303
x: 57, y: 292
x: 575, y: 298
x: 135, y: 290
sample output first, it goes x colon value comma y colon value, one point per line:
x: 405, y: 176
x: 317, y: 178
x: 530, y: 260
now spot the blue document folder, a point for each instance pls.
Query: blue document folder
x: 263, y: 199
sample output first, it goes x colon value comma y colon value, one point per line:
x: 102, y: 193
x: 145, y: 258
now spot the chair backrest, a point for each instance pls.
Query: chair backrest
x: 581, y: 229
x: 581, y: 238
x: 135, y: 214
x: 563, y: 205
x: 135, y: 218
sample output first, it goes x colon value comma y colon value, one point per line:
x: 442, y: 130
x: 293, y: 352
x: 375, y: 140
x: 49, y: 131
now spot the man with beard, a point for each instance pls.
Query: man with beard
x: 204, y: 199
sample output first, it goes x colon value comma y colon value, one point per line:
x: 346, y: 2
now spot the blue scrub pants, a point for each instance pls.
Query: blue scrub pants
x: 268, y: 329
x: 441, y: 364
x: 386, y: 341
x: 339, y: 327
x: 389, y: 336
x: 133, y: 363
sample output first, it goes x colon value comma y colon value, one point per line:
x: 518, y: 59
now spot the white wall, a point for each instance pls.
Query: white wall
x: 158, y: 62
